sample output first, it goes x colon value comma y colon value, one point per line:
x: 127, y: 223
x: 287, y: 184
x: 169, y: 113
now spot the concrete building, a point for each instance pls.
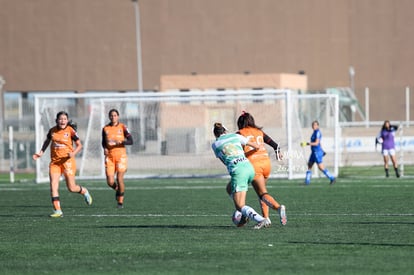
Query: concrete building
x: 85, y: 45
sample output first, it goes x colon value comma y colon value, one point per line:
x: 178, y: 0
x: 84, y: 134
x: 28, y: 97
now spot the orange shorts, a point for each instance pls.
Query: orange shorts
x: 116, y: 163
x: 262, y: 168
x: 66, y: 166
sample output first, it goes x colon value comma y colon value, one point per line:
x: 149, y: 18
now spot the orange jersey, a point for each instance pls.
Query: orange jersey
x: 259, y: 158
x: 254, y: 135
x: 62, y: 142
x: 113, y: 137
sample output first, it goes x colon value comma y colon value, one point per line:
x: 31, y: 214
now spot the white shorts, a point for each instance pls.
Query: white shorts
x: 388, y: 152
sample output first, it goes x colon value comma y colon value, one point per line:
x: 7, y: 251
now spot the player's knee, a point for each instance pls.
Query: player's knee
x: 112, y: 185
x: 262, y: 196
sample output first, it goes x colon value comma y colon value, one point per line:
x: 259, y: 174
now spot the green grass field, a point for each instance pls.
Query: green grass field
x: 362, y: 225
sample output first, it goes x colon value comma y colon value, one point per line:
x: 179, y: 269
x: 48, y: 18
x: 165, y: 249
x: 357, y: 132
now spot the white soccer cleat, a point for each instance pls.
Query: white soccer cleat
x: 282, y: 214
x: 268, y: 222
x: 88, y: 198
x: 56, y: 214
x: 260, y: 225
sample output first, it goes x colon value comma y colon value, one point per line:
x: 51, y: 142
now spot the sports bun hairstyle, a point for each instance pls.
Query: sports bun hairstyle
x: 70, y: 122
x: 246, y: 120
x: 218, y: 129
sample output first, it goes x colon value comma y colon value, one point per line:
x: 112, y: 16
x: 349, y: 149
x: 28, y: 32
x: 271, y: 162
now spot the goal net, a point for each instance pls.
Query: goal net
x: 172, y: 131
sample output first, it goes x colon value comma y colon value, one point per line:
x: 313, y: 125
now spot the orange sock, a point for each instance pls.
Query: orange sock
x: 265, y: 209
x: 270, y: 201
x: 56, y: 203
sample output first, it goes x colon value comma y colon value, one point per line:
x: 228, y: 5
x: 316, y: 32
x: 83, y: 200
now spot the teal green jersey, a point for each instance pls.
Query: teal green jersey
x: 228, y: 148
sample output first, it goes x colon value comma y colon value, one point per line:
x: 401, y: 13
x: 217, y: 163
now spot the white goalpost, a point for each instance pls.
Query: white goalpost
x: 177, y: 129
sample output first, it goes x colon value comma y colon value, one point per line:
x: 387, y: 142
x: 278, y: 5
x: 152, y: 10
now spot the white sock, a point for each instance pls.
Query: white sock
x: 251, y: 213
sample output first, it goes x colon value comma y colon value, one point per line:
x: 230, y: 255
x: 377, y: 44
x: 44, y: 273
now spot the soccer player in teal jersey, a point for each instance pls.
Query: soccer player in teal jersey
x: 317, y: 154
x: 228, y: 147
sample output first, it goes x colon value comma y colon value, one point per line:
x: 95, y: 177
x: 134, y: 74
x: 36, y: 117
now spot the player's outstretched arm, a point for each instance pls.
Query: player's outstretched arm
x: 40, y: 153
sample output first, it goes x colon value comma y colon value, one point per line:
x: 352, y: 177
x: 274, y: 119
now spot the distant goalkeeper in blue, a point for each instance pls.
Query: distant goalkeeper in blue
x: 386, y: 139
x: 228, y: 147
x: 317, y: 154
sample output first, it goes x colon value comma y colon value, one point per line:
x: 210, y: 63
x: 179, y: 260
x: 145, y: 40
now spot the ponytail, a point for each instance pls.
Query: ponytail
x: 74, y: 125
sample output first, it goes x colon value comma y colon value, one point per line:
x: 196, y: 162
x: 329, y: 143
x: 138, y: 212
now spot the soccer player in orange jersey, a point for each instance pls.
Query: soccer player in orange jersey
x: 228, y: 148
x: 115, y: 135
x: 62, y: 155
x: 262, y: 165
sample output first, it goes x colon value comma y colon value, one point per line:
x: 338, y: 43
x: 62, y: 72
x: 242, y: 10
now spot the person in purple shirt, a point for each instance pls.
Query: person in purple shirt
x: 386, y: 139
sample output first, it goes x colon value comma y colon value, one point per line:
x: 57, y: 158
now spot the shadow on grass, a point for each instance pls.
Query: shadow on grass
x: 354, y: 243
x: 20, y: 216
x: 26, y: 206
x: 382, y: 223
x: 169, y: 226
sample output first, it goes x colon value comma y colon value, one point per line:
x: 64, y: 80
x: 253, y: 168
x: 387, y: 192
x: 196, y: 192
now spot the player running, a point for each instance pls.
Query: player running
x: 317, y: 154
x: 62, y: 155
x: 228, y: 148
x: 115, y: 135
x: 262, y: 165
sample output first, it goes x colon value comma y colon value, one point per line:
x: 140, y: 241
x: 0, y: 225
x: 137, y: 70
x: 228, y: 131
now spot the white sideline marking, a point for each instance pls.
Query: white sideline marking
x: 201, y: 187
x: 222, y: 215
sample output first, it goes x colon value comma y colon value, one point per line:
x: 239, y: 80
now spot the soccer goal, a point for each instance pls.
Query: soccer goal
x: 172, y: 131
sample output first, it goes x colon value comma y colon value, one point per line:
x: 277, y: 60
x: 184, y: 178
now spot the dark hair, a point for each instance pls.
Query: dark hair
x: 70, y: 122
x: 113, y: 110
x: 218, y: 129
x: 385, y: 122
x: 315, y: 121
x: 61, y: 113
x: 246, y: 120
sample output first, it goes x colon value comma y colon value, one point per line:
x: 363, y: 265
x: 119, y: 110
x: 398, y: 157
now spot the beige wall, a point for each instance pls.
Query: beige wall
x: 196, y: 121
x: 90, y: 44
x: 233, y: 81
x: 67, y: 45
